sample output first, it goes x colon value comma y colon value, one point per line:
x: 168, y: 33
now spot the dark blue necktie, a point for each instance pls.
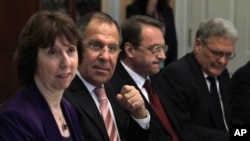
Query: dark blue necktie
x: 216, y: 103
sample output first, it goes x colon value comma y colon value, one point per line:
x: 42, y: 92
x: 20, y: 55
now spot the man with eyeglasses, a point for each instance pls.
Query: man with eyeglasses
x: 105, y: 115
x: 201, y: 83
x: 142, y: 50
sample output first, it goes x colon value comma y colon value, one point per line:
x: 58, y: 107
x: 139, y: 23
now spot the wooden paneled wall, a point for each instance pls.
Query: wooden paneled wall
x: 13, y: 15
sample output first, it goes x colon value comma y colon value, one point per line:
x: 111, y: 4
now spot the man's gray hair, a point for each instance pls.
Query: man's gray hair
x: 216, y: 27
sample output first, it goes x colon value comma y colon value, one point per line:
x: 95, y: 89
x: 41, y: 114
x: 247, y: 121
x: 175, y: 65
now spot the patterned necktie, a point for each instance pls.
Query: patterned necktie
x: 157, y: 107
x: 216, y: 103
x: 105, y: 112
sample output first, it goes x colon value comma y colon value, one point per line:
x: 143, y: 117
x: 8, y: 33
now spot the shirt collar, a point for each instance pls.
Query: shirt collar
x: 138, y: 79
x: 89, y: 86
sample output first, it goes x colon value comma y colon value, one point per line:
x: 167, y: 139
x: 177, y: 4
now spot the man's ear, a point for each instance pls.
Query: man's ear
x: 129, y: 49
x: 197, y: 45
x: 198, y: 42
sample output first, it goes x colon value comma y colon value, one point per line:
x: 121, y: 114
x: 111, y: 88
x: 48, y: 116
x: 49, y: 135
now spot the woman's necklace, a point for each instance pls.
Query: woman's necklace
x: 63, y: 124
x: 64, y: 129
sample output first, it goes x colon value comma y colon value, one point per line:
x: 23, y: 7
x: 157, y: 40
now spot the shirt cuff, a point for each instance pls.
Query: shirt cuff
x: 145, y: 122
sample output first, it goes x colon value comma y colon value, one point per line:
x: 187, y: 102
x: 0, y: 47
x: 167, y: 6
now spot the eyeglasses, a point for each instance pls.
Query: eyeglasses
x: 99, y: 47
x: 220, y: 54
x: 156, y: 49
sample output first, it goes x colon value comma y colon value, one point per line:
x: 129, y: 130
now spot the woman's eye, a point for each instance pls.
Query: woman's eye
x: 72, y: 49
x: 52, y: 52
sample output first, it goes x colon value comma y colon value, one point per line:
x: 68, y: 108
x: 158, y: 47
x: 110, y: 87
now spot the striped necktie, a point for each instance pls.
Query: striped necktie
x: 105, y: 112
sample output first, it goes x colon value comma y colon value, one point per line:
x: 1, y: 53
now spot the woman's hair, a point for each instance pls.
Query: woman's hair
x: 41, y: 31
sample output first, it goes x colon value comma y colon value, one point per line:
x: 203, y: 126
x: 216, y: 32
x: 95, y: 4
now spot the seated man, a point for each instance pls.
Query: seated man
x: 201, y: 83
x: 143, y: 48
x: 105, y: 115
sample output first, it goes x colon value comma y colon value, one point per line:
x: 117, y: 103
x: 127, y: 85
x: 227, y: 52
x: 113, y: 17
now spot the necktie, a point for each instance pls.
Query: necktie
x: 105, y: 112
x: 216, y: 103
x: 157, y: 107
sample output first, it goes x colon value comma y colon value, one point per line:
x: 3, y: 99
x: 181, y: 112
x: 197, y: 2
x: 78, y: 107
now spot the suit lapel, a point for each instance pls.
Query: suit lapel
x: 86, y: 103
x: 70, y: 117
x: 164, y: 96
x: 49, y: 125
x: 202, y: 86
x: 225, y: 93
x: 118, y: 110
x: 126, y: 78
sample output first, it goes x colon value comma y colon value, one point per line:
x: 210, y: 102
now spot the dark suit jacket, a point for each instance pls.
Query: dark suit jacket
x: 91, y: 121
x: 27, y: 117
x: 157, y: 132
x: 192, y: 103
x: 241, y: 94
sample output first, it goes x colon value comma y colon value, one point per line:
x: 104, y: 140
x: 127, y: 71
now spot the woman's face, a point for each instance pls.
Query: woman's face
x: 56, y: 66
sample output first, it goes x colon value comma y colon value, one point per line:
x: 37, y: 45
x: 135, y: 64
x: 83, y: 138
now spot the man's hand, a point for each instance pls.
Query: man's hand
x: 131, y: 99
